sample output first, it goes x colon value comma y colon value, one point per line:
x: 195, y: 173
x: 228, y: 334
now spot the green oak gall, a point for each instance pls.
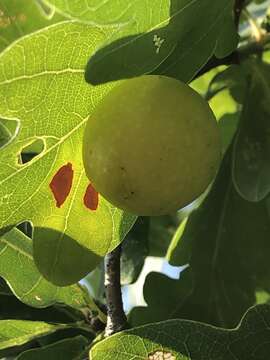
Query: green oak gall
x: 151, y: 146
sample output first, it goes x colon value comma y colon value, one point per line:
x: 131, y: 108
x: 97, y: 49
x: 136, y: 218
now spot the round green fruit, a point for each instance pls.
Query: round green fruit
x: 152, y: 146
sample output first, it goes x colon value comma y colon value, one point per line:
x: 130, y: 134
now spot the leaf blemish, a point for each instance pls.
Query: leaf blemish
x: 61, y: 184
x: 90, y: 198
x: 161, y: 355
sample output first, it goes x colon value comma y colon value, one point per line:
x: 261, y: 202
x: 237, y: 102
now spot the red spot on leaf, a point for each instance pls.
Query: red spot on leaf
x: 61, y: 184
x: 90, y: 199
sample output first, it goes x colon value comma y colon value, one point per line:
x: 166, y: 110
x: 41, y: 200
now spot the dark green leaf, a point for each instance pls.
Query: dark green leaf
x: 251, y: 161
x: 161, y: 231
x: 67, y: 349
x: 233, y: 78
x: 228, y: 38
x: 228, y: 125
x: 164, y: 297
x: 12, y: 308
x: 154, y: 33
x: 222, y: 238
x: 134, y: 251
x: 187, y: 340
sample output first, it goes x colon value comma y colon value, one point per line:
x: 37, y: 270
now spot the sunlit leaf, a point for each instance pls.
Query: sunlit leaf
x: 42, y: 86
x: 188, y: 340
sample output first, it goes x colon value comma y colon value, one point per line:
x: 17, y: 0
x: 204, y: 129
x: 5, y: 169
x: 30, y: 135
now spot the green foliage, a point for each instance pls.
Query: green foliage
x: 251, y: 169
x: 224, y: 253
x: 47, y: 50
x: 153, y: 37
x: 18, y: 269
x: 16, y: 332
x: 134, y: 251
x: 72, y: 349
x: 187, y: 340
x: 160, y: 306
x: 58, y: 231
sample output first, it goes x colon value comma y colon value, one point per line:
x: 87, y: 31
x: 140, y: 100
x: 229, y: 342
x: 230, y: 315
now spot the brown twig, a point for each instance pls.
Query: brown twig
x: 116, y: 318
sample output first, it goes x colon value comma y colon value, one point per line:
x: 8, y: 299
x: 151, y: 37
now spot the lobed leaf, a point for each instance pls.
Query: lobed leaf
x: 42, y: 87
x: 187, y: 340
x: 146, y: 35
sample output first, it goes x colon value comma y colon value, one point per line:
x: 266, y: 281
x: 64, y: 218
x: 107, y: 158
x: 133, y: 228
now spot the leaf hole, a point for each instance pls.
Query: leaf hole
x: 30, y: 151
x: 26, y: 227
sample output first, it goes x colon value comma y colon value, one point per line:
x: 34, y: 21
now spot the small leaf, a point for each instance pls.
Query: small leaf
x: 67, y: 349
x: 188, y: 340
x: 251, y: 161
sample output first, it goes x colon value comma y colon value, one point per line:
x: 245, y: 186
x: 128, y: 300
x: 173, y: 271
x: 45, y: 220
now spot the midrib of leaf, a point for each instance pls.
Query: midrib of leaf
x: 46, y: 72
x: 14, y: 247
x: 32, y: 288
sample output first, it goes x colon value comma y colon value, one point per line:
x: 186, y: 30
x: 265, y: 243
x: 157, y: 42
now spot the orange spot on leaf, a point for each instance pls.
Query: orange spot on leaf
x: 90, y: 198
x: 61, y: 184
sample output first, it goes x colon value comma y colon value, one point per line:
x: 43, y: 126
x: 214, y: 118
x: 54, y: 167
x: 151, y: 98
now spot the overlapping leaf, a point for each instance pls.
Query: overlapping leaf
x: 18, y: 269
x: 164, y: 297
x: 221, y: 242
x: 42, y: 87
x: 146, y: 34
x: 251, y: 162
x: 188, y: 340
